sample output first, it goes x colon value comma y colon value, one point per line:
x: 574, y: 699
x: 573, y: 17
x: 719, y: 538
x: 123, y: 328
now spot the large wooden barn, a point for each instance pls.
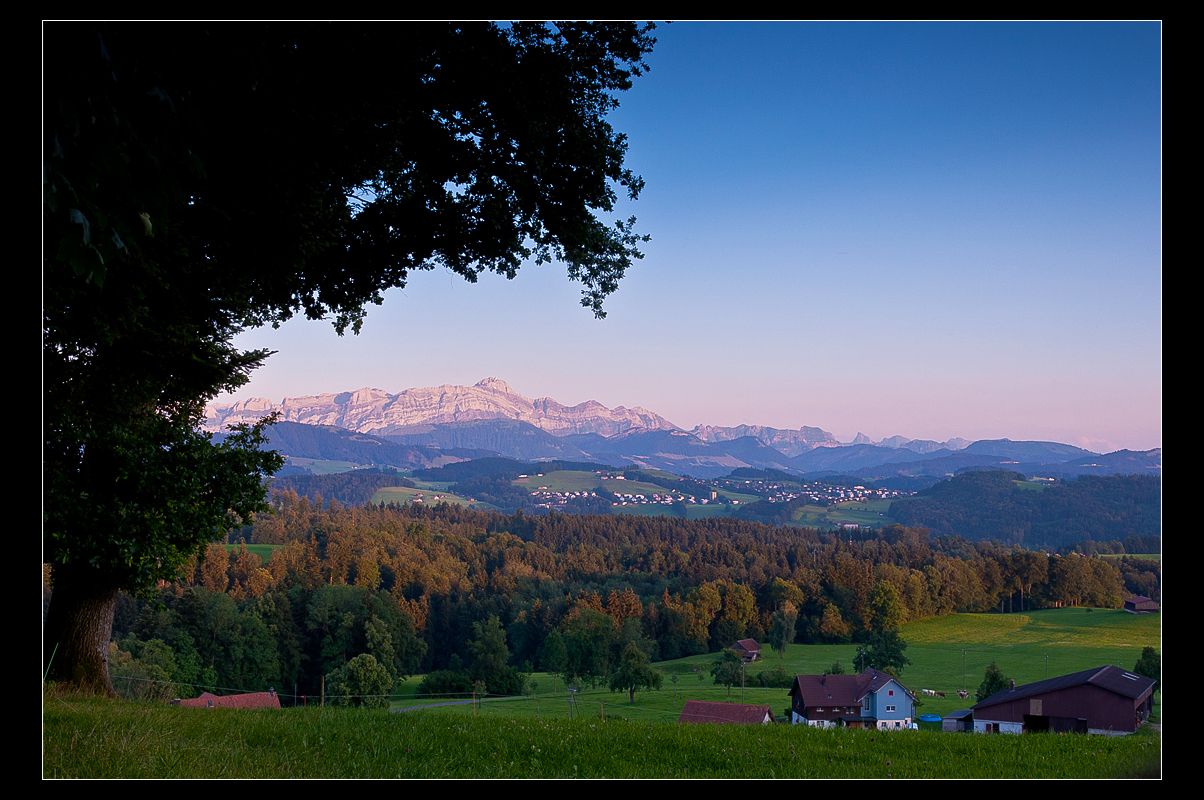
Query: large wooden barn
x: 1104, y: 700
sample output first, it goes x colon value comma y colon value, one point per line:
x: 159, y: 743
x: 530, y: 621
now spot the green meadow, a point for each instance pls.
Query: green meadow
x: 1157, y: 557
x: 601, y: 735
x: 95, y: 738
x: 564, y: 481
x: 1031, y: 486
x: 320, y: 466
x: 870, y: 513
x: 1023, y: 645
x: 402, y: 494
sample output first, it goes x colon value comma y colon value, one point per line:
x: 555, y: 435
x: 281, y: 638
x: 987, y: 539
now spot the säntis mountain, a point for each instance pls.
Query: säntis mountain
x: 380, y: 413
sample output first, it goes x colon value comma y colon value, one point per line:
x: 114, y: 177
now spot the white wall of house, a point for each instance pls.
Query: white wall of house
x: 798, y: 719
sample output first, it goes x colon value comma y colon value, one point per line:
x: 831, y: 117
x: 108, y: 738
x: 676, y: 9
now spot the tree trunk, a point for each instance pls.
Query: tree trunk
x: 78, y: 626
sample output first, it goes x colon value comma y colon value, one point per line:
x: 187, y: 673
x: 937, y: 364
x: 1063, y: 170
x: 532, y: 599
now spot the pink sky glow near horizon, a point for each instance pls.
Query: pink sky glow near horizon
x: 926, y: 230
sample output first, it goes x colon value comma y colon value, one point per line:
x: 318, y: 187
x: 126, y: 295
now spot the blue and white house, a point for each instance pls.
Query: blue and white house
x: 872, y: 699
x: 886, y: 702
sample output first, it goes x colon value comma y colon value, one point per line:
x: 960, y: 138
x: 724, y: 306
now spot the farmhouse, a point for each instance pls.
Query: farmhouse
x: 268, y: 699
x: 748, y: 650
x: 700, y: 712
x: 872, y: 699
x: 1105, y: 700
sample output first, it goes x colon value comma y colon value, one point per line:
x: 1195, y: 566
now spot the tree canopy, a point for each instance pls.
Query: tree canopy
x: 884, y: 651
x: 993, y: 680
x: 1150, y: 665
x: 727, y: 669
x: 199, y: 179
x: 634, y: 673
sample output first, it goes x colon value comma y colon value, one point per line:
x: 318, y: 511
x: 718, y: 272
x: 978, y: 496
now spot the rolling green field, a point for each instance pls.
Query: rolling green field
x: 402, y: 494
x: 567, y: 480
x: 1074, y: 639
x: 1157, y: 557
x: 871, y: 513
x: 1030, y: 486
x: 322, y: 466
x: 537, y: 738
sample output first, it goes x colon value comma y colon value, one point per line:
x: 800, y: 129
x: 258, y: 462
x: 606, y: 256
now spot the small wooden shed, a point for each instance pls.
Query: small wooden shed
x: 960, y: 721
x: 1141, y: 605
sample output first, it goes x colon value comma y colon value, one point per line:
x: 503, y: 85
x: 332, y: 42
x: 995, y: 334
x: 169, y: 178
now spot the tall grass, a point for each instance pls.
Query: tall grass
x: 94, y: 738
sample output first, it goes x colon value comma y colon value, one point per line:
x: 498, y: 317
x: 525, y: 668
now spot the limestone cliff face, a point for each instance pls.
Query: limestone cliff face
x: 377, y: 412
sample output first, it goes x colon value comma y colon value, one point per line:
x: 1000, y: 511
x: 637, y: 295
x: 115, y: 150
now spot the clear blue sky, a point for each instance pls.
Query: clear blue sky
x: 932, y: 230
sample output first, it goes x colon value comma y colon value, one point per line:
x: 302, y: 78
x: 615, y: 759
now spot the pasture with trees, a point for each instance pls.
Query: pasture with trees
x: 517, y: 737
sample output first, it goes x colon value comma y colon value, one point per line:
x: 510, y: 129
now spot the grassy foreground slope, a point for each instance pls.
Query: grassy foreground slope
x: 93, y: 738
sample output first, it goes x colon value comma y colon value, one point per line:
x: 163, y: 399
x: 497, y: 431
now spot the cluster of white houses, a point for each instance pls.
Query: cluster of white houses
x: 1105, y: 700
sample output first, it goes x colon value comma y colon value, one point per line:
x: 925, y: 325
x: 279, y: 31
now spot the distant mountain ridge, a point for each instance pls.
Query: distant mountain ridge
x: 380, y: 413
x: 446, y: 423
x: 788, y: 442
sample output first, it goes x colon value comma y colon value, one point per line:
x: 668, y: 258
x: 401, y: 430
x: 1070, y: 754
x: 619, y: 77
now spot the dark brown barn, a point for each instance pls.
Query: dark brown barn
x: 1104, y: 700
x: 748, y: 649
x: 702, y: 712
x: 1141, y: 605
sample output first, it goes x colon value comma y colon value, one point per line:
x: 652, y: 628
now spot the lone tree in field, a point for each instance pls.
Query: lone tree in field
x: 992, y: 681
x: 362, y: 681
x: 781, y: 632
x: 203, y: 179
x: 884, y: 651
x: 1150, y: 665
x: 727, y: 669
x: 634, y: 673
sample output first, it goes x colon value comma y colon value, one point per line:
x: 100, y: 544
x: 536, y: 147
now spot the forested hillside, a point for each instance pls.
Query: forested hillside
x: 1002, y: 506
x: 417, y: 588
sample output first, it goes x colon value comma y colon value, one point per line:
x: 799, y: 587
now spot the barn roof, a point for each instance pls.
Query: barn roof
x: 248, y: 700
x: 1110, y: 678
x: 700, y: 711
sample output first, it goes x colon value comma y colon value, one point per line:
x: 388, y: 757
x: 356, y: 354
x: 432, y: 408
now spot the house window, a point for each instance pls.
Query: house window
x: 890, y: 693
x: 890, y: 708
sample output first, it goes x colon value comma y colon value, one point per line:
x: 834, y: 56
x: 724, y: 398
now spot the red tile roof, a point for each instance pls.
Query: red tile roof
x: 249, y: 700
x: 828, y: 690
x: 700, y: 711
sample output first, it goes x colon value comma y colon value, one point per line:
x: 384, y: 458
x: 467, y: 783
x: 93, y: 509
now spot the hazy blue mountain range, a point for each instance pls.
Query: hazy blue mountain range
x: 421, y: 427
x: 514, y: 438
